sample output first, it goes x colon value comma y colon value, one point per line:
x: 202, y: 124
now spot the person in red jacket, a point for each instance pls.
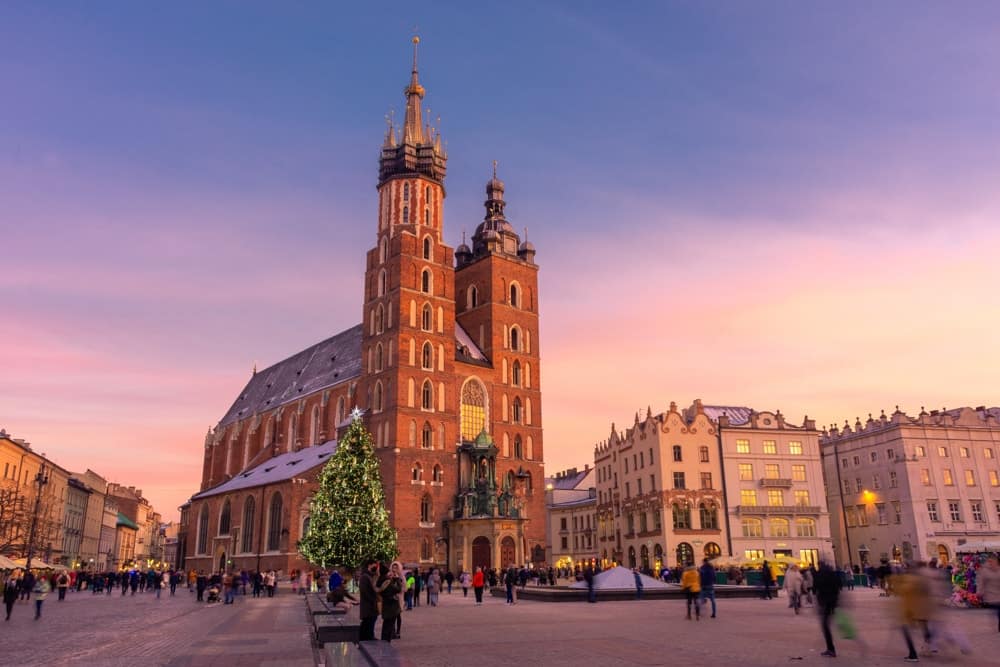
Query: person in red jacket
x: 478, y: 583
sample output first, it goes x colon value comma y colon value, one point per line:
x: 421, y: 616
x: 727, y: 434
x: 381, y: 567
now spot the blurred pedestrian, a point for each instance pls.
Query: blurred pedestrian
x: 707, y: 576
x: 988, y: 585
x: 41, y: 591
x: 827, y: 586
x: 793, y: 587
x: 691, y: 585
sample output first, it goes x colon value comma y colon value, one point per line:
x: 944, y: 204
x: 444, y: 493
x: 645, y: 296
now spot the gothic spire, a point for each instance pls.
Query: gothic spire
x: 412, y: 131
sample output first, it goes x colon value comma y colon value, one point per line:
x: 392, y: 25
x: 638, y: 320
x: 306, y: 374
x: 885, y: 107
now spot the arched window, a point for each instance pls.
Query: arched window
x: 378, y: 357
x: 631, y: 556
x: 437, y: 474
x: 314, y: 426
x: 752, y: 527
x: 406, y: 192
x: 425, y: 281
x: 225, y: 518
x: 427, y: 437
x: 527, y: 482
x: 805, y: 528
x: 644, y: 557
x: 305, y: 528
x: 473, y: 409
x: 518, y: 448
x: 425, y: 549
x: 709, y: 516
x: 685, y: 554
x: 712, y: 550
x: 381, y: 283
x: 427, y: 396
x: 427, y: 318
x: 340, y: 410
x: 515, y: 374
x: 427, y: 193
x: 472, y: 297
x: 518, y: 414
x: 378, y: 397
x: 383, y: 250
x: 203, y: 531
x: 406, y: 215
x: 427, y: 245
x: 515, y: 335
x: 417, y: 472
x: 248, y: 525
x: 514, y: 295
x: 425, y: 509
x: 779, y: 528
x: 508, y: 480
x: 427, y: 357
x: 427, y: 219
x: 274, y: 524
x: 678, y: 455
x: 682, y: 516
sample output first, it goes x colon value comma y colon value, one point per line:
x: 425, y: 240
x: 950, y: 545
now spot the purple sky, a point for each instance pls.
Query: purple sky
x: 782, y: 205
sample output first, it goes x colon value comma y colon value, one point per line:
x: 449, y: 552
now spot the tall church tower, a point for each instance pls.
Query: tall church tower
x: 496, y: 291
x: 408, y: 339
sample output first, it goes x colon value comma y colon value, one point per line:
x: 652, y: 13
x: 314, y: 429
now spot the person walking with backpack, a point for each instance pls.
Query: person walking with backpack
x: 707, y: 576
x: 41, y: 591
x: 691, y: 584
x: 62, y: 584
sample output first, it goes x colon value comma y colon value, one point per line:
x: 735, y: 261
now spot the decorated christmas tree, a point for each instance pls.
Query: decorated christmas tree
x: 348, y: 521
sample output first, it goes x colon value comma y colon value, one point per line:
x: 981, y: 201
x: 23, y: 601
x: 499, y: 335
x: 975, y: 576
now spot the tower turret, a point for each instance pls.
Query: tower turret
x: 419, y: 149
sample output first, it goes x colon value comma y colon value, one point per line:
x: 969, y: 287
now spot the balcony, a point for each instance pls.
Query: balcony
x: 769, y: 510
x: 776, y: 483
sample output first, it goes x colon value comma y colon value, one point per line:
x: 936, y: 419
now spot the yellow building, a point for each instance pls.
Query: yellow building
x: 24, y: 472
x: 571, y: 504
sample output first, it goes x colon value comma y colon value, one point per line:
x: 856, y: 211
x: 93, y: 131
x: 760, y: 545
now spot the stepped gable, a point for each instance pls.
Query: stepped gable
x: 620, y: 578
x: 322, y: 365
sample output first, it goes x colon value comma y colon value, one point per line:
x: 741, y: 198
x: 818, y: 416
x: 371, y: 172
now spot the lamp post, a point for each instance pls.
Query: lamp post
x: 41, y: 479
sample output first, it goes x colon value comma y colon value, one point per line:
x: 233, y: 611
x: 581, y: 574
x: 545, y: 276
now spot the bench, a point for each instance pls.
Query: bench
x: 336, y: 628
x: 383, y: 654
x: 318, y: 605
x: 344, y: 654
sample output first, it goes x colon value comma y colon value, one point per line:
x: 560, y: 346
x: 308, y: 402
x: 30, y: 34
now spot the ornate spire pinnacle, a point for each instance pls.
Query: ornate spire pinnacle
x: 390, y: 132
x: 412, y: 131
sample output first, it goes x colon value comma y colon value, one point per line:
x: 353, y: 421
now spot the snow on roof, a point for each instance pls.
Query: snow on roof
x: 464, y: 340
x: 620, y: 578
x: 737, y: 415
x: 277, y: 469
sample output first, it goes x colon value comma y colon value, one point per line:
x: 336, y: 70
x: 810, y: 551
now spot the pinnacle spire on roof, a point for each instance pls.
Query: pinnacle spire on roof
x: 413, y: 133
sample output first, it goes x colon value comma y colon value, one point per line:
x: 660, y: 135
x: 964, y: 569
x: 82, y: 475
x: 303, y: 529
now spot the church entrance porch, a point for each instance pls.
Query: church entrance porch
x: 507, y: 552
x: 481, y: 553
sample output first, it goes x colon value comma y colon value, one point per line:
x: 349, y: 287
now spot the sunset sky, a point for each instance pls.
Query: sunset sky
x: 784, y: 205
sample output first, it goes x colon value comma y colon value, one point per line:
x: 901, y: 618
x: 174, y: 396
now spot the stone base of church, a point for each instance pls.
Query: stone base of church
x: 486, y: 542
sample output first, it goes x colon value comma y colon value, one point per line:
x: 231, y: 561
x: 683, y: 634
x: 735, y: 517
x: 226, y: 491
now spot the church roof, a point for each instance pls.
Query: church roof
x: 278, y: 469
x: 327, y: 363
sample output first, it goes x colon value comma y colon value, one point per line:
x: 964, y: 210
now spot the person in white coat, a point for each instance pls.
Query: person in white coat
x: 793, y: 587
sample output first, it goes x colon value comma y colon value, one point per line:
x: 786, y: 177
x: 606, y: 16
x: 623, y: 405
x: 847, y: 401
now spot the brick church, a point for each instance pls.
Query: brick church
x: 445, y: 368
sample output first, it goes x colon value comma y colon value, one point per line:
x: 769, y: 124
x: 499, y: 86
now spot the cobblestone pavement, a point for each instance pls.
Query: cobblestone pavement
x: 655, y: 632
x: 140, y: 631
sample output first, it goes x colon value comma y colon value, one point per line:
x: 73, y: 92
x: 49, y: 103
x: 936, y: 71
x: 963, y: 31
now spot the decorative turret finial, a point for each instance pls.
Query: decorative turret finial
x: 494, y: 169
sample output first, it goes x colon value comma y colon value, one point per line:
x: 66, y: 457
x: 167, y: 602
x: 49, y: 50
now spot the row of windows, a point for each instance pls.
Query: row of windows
x: 246, y: 545
x: 948, y: 478
x: 876, y: 482
x: 920, y: 451
x: 769, y: 447
x: 858, y: 515
x: 775, y: 497
x: 778, y: 527
x: 514, y: 298
x: 772, y: 471
x: 417, y: 473
x: 955, y: 511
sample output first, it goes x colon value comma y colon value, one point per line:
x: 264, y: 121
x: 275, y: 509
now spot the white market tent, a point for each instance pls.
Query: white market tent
x: 620, y: 578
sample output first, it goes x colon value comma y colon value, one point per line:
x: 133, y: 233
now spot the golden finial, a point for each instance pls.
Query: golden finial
x: 416, y: 40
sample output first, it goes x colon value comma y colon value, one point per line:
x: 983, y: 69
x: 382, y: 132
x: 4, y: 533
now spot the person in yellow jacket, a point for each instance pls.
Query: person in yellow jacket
x: 691, y: 584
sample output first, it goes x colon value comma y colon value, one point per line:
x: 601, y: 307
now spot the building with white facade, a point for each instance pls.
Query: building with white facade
x: 914, y: 488
x: 571, y: 511
x: 775, y: 495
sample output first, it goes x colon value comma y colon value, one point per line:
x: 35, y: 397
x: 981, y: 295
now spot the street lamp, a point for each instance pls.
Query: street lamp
x: 41, y: 479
